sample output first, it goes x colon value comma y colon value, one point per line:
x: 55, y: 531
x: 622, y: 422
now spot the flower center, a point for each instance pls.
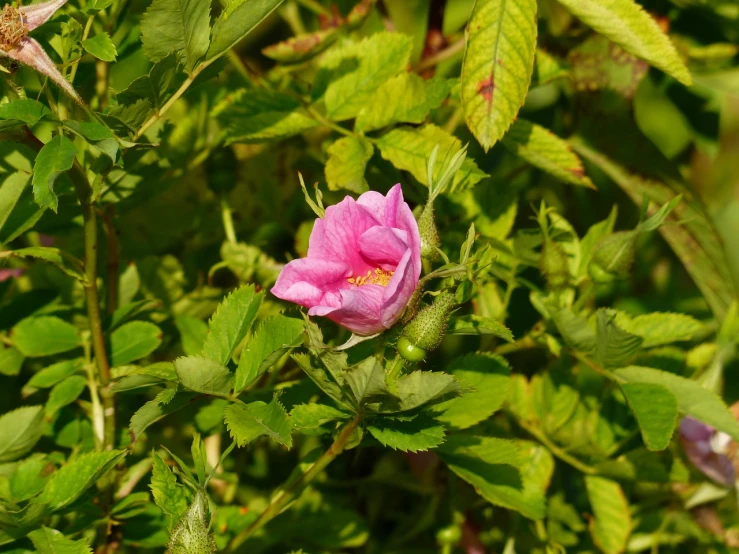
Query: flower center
x: 12, y: 27
x: 376, y: 277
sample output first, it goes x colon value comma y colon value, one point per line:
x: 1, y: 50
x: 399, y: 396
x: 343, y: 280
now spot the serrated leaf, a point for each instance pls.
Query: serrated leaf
x: 614, y: 346
x: 23, y: 110
x: 371, y: 61
x: 236, y: 21
x: 406, y: 98
x: 415, y: 435
x: 692, y: 398
x: 156, y: 409
x: 65, y: 393
x: 272, y: 339
x: 168, y: 494
x: 44, y: 336
x: 347, y: 160
x: 55, y: 373
x: 192, y: 333
x: 97, y: 135
x: 181, y: 26
x: 155, y: 87
x: 660, y: 328
x: 497, y: 67
x: 631, y: 27
x: 478, y: 325
x: 418, y: 389
x: 493, y: 466
x: 611, y: 525
x: 78, y: 475
x: 310, y: 416
x: 545, y: 150
x: 247, y: 422
x: 409, y: 149
x: 321, y: 378
x: 61, y: 259
x: 20, y: 430
x: 54, y: 158
x: 11, y: 360
x: 257, y: 115
x: 655, y: 409
x: 29, y: 477
x: 133, y: 341
x: 203, y: 375
x: 230, y: 323
x: 101, y: 47
x: 51, y: 541
x: 486, y: 378
x: 366, y: 380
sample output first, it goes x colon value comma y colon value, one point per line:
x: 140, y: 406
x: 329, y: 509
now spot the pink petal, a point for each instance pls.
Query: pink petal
x: 360, y: 310
x: 383, y: 246
x: 310, y: 282
x: 694, y: 430
x: 399, y: 291
x: 336, y: 237
x: 716, y: 466
x: 30, y: 52
x: 38, y: 14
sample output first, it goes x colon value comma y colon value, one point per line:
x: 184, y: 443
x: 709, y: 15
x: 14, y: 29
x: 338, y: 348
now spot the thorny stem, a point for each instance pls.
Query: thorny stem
x: 291, y: 490
x: 176, y: 96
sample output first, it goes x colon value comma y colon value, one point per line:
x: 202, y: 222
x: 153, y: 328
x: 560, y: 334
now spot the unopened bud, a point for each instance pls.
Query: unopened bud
x: 427, y: 329
x: 429, y: 235
x: 613, y: 255
x: 192, y: 534
x: 553, y: 264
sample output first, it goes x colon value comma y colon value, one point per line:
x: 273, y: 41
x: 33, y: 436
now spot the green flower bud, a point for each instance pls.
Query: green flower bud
x: 553, y: 264
x: 192, y: 534
x: 429, y: 235
x: 410, y: 351
x: 614, y: 253
x: 427, y: 329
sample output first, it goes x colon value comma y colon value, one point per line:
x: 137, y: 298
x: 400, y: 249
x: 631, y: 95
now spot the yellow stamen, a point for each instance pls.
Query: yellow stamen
x: 12, y: 27
x: 376, y: 277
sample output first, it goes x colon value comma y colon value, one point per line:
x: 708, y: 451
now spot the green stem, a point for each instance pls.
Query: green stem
x: 556, y: 450
x: 330, y: 124
x: 228, y: 220
x: 85, y: 34
x: 176, y: 96
x: 113, y: 262
x: 291, y: 490
x: 449, y: 52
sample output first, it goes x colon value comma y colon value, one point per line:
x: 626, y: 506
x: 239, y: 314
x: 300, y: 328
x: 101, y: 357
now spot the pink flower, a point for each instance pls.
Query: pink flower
x: 363, y: 264
x: 707, y: 450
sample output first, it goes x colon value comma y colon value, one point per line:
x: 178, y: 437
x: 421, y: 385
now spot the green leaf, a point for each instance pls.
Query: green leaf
x: 409, y: 148
x: 13, y: 186
x: 236, y: 21
x: 420, y: 433
x: 247, y: 422
x: 611, y: 525
x: 692, y: 398
x: 347, y: 160
x: 97, y: 135
x: 272, y: 339
x: 181, y: 26
x: 65, y: 393
x: 493, y: 467
x: 614, y: 346
x: 258, y: 115
x: 487, y: 377
x: 203, y: 375
x: 55, y: 373
x: 372, y: 61
x: 321, y: 378
x: 660, y: 328
x: 20, y: 430
x: 168, y: 494
x: 29, y: 477
x: 101, y: 47
x: 655, y: 409
x: 51, y: 541
x: 421, y: 388
x: 628, y: 25
x: 24, y: 110
x: 155, y: 87
x: 78, y: 475
x: 310, y: 416
x: 199, y: 457
x: 545, y: 150
x: 406, y: 98
x: 54, y: 158
x: 547, y: 68
x: 497, y: 67
x: 478, y: 325
x: 230, y: 323
x: 157, y: 409
x: 61, y: 259
x: 44, y: 336
x: 11, y: 360
x: 133, y: 341
x: 192, y: 333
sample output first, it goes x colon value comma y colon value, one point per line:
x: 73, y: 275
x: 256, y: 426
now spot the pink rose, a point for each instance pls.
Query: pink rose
x: 363, y: 264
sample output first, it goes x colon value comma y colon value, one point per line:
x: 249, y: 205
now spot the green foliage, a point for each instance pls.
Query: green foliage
x: 19, y: 431
x: 51, y: 541
x: 412, y: 434
x: 44, y: 336
x: 133, y: 341
x: 611, y: 525
x: 246, y: 422
x: 230, y: 323
x: 56, y: 157
x: 346, y: 164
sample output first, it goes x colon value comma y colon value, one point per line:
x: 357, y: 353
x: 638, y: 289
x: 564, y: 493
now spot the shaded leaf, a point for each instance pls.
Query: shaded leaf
x: 247, y: 422
x: 65, y: 393
x: 420, y: 433
x: 61, y: 259
x: 192, y: 333
x: 168, y: 494
x: 655, y: 409
x: 54, y: 158
x: 478, y: 325
x: 19, y: 431
x: 203, y: 375
x: 310, y: 416
x: 614, y: 346
x: 236, y: 21
x: 133, y: 341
